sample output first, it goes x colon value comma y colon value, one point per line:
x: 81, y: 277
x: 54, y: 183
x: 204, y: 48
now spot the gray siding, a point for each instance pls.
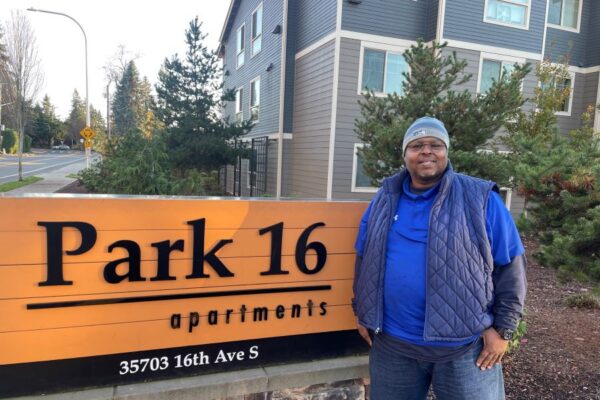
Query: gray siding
x: 464, y: 21
x: 256, y: 66
x: 292, y: 42
x: 584, y: 95
x: 315, y: 19
x: 561, y: 43
x: 348, y: 110
x: 432, y: 18
x: 407, y: 19
x: 472, y: 58
x: 593, y: 44
x: 272, y: 168
x: 312, y: 122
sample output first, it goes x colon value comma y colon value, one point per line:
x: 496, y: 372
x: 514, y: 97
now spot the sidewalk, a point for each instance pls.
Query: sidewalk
x: 51, y: 182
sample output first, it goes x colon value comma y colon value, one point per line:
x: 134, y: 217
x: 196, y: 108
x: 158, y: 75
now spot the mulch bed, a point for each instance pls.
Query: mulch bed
x: 559, y: 357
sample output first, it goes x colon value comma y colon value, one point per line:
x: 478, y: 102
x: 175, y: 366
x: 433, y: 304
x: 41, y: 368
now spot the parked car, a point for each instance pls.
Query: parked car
x: 61, y: 147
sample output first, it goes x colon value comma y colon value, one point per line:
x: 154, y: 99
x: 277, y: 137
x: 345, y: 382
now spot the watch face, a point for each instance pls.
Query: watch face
x: 506, y: 334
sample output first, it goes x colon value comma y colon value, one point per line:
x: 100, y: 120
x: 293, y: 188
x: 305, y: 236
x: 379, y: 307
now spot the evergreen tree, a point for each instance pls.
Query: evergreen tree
x: 431, y: 89
x: 133, y: 104
x: 76, y: 120
x: 189, y: 97
x: 45, y: 126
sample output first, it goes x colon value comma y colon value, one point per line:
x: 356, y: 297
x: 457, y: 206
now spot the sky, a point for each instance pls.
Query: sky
x: 150, y: 30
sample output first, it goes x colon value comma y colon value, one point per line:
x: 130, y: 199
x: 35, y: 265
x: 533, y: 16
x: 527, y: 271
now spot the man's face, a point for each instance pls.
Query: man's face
x: 426, y: 160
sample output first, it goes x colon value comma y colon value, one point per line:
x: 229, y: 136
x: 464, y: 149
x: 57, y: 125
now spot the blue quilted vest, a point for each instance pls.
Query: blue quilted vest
x: 459, y: 291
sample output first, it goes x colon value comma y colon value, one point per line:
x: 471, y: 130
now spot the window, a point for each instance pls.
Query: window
x: 382, y: 71
x: 562, y: 84
x: 257, y: 17
x: 492, y: 71
x: 513, y: 13
x: 360, y: 181
x: 239, y: 113
x: 564, y: 13
x: 240, y: 45
x: 255, y: 99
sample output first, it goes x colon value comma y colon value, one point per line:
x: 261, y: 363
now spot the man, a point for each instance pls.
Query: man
x: 440, y: 277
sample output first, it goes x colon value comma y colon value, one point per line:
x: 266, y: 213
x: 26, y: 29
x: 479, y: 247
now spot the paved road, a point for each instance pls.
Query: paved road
x: 42, y: 161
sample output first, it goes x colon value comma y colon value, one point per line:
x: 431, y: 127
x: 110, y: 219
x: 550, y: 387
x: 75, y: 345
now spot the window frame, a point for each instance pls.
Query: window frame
x: 499, y: 58
x: 260, y: 35
x: 241, y: 51
x: 354, y: 188
x: 240, y: 111
x: 567, y: 28
x: 377, y: 47
x: 251, y: 106
x: 507, y: 24
x: 570, y: 102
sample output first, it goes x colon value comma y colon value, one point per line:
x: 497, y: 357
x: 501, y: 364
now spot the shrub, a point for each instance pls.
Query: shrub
x: 583, y: 300
x: 27, y: 144
x: 10, y: 141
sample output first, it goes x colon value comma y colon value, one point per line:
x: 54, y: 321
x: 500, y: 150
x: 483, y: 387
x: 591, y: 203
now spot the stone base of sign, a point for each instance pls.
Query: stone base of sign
x: 340, y: 378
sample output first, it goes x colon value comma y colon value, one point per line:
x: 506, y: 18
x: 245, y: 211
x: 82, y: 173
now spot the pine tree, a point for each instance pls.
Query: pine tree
x: 431, y: 89
x: 189, y: 97
x: 76, y: 120
x: 45, y: 126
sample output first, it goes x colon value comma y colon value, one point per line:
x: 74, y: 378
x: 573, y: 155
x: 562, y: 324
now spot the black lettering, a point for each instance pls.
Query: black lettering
x: 134, y: 273
x: 296, y: 310
x: 164, y: 255
x: 310, y: 305
x: 212, y: 317
x: 228, y: 314
x: 243, y: 313
x: 176, y: 321
x: 194, y: 321
x: 302, y: 247
x: 276, y: 244
x: 261, y: 313
x: 323, y: 309
x: 280, y: 311
x: 54, y: 248
x: 198, y: 256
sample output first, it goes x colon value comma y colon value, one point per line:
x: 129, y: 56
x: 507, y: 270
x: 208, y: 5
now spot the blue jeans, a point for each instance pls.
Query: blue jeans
x: 401, y: 378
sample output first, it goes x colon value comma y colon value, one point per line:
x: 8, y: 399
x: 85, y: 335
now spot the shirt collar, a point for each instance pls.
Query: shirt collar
x: 431, y: 192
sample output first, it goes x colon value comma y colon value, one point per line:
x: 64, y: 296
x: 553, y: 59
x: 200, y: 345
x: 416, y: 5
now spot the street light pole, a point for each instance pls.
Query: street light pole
x: 87, y: 97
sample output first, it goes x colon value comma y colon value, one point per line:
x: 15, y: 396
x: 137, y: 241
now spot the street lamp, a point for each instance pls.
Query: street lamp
x: 87, y: 101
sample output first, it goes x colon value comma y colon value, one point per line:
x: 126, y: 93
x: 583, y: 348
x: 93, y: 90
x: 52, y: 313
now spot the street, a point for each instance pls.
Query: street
x: 38, y: 162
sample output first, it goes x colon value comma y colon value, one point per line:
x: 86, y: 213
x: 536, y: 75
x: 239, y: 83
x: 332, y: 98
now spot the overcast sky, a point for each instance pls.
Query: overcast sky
x: 152, y: 30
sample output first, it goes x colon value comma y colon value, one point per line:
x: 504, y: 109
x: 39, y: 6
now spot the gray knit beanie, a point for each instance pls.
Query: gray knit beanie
x: 426, y: 127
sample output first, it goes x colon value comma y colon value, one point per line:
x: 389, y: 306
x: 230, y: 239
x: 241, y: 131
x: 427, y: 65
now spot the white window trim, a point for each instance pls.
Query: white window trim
x: 252, y: 53
x: 568, y: 113
x: 376, y: 46
x: 359, y: 189
x: 567, y: 28
x: 241, y: 110
x: 243, y: 50
x: 250, y: 99
x: 508, y: 200
x: 496, y: 57
x: 528, y: 15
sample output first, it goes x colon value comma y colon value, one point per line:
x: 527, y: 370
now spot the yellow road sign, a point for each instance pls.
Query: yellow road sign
x: 87, y: 133
x: 87, y: 143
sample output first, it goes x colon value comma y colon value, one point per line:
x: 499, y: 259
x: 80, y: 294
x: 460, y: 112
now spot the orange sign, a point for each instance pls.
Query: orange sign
x: 140, y: 274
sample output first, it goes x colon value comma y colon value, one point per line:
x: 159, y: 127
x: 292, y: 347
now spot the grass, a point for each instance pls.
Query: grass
x: 5, y: 187
x: 584, y: 300
x: 73, y: 176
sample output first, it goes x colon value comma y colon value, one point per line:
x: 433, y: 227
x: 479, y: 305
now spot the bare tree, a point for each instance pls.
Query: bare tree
x: 21, y: 73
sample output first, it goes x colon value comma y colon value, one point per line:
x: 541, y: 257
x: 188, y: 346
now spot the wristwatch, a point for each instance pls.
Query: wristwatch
x: 505, y: 333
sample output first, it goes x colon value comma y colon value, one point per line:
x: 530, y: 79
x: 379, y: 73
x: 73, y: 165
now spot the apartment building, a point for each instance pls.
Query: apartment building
x: 299, y: 68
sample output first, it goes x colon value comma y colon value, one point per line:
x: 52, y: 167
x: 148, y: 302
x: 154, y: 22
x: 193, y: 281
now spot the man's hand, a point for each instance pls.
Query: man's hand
x: 494, y: 348
x: 364, y: 332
